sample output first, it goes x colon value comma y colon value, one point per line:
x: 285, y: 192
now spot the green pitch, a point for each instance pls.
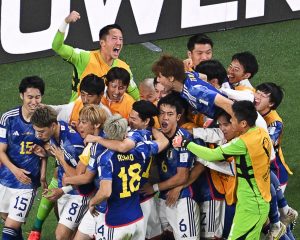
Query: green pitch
x: 276, y: 47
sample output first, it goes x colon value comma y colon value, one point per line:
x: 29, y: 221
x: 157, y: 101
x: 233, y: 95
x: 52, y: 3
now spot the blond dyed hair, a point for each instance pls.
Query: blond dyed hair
x: 93, y: 114
x: 115, y: 127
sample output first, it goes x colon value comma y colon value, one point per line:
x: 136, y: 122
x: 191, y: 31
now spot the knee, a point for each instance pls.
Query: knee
x: 60, y: 234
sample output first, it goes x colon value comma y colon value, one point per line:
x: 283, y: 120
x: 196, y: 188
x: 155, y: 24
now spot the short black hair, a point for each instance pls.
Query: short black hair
x: 105, y: 30
x: 117, y: 73
x: 155, y: 81
x: 173, y: 99
x: 248, y: 61
x: 199, y: 39
x: 32, y: 82
x: 223, y: 113
x: 275, y: 91
x: 92, y: 84
x: 145, y: 109
x: 212, y: 69
x: 245, y: 111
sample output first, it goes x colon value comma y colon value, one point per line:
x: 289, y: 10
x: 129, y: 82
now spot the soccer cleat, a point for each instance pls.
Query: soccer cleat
x: 34, y: 235
x: 290, y: 217
x: 275, y: 232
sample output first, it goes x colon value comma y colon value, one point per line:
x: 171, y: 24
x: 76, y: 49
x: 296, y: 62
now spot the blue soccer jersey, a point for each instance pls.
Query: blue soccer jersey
x: 94, y: 167
x: 200, y: 94
x: 140, y: 136
x: 170, y: 159
x: 125, y: 171
x: 72, y: 145
x: 19, y: 136
x: 275, y: 131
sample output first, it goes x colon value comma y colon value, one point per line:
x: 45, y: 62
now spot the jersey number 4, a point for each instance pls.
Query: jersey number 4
x: 130, y: 179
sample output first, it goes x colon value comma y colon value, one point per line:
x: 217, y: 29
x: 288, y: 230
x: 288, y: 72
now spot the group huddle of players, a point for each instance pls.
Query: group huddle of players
x: 194, y: 153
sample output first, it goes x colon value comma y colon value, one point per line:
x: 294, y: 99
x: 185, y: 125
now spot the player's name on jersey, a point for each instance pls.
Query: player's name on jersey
x: 125, y: 157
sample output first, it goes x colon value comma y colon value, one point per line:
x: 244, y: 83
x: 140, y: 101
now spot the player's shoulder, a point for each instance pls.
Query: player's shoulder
x: 127, y: 99
x: 106, y: 157
x: 11, y: 114
x: 122, y: 64
x: 192, y: 76
x: 183, y: 132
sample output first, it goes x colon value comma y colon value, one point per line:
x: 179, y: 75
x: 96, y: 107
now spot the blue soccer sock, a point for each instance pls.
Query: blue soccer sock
x: 9, y: 233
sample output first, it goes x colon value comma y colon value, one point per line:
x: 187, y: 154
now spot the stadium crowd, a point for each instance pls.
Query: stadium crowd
x: 194, y: 152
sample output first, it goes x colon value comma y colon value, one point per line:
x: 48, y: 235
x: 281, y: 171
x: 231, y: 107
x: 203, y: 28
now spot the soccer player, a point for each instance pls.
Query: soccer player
x: 115, y: 97
x: 252, y: 150
x: 214, y: 71
x: 91, y: 92
x: 20, y: 172
x: 66, y: 145
x: 120, y: 177
x: 140, y: 121
x: 268, y: 97
x: 97, y: 62
x: 147, y: 90
x: 200, y: 48
x: 159, y: 89
x: 243, y: 67
x: 91, y: 89
x: 91, y: 121
x: 201, y: 95
x: 173, y: 166
x: 211, y: 186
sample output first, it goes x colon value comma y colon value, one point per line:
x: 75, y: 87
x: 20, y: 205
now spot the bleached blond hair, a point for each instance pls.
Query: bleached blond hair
x: 115, y: 127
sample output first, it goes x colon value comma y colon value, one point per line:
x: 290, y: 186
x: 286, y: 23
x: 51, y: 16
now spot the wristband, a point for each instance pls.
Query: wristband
x: 63, y: 27
x: 185, y: 142
x: 155, y: 187
x: 67, y: 189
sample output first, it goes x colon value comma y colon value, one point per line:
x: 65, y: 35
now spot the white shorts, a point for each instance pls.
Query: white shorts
x: 88, y: 225
x: 152, y: 225
x: 183, y: 218
x: 135, y: 230
x: 101, y: 228
x: 212, y: 214
x: 16, y: 202
x: 71, y: 209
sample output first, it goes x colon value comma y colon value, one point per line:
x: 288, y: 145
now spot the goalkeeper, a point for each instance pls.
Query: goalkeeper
x: 97, y: 62
x: 252, y: 150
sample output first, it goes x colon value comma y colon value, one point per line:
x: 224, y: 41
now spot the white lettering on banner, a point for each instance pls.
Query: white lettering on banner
x: 255, y: 8
x: 16, y: 42
x: 146, y: 14
x: 294, y: 4
x: 193, y: 14
x: 100, y: 14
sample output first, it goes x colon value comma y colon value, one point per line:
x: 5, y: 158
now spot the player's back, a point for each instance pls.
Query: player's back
x: 200, y: 94
x: 126, y: 175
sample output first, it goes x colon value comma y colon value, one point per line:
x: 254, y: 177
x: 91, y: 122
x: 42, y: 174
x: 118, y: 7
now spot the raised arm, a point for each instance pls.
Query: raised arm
x: 67, y: 52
